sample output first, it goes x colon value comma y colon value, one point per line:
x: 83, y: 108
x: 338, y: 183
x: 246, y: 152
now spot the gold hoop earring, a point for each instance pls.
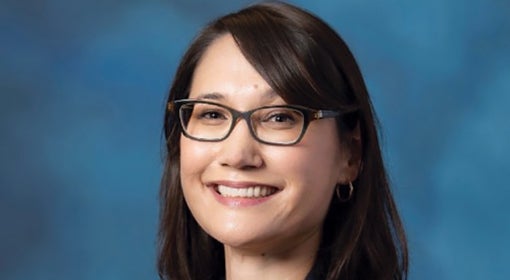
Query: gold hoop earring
x: 342, y: 196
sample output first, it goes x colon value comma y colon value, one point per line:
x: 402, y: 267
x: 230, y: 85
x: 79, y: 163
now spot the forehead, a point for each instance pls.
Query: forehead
x: 224, y: 72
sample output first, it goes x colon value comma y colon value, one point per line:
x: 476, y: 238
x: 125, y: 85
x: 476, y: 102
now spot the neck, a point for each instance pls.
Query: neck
x: 293, y: 262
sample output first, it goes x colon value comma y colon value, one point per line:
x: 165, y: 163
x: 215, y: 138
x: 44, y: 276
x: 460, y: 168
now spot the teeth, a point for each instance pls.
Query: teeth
x: 263, y: 191
x: 256, y: 191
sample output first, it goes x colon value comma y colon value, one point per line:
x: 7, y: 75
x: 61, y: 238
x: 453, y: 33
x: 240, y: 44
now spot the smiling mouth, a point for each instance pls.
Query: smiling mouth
x: 249, y: 192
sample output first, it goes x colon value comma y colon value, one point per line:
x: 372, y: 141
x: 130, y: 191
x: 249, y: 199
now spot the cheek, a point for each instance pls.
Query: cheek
x: 194, y: 161
x: 194, y: 158
x: 325, y: 158
x: 318, y: 164
x: 310, y: 173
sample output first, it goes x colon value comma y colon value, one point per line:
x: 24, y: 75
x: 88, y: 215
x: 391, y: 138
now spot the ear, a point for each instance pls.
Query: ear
x: 352, y: 148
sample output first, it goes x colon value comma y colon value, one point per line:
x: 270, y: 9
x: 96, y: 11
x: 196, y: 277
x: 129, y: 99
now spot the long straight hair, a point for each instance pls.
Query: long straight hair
x: 307, y: 63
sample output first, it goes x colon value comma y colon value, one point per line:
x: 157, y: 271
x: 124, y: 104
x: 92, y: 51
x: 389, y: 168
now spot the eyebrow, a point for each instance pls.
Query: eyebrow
x: 269, y: 95
x: 211, y: 95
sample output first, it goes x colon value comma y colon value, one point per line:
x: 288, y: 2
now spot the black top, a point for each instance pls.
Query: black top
x: 317, y: 272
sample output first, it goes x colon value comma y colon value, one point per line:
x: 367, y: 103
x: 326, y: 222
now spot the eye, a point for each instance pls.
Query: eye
x: 206, y: 112
x: 211, y: 115
x: 281, y: 117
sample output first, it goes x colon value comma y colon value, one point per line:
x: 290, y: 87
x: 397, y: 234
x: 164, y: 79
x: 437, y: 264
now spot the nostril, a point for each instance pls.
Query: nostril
x: 245, y: 160
x: 240, y: 150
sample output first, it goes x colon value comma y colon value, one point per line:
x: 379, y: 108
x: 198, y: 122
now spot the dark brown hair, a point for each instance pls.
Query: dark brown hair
x: 306, y: 63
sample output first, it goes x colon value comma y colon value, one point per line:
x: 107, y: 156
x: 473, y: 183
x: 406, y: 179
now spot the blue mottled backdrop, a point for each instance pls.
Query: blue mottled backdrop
x: 82, y: 87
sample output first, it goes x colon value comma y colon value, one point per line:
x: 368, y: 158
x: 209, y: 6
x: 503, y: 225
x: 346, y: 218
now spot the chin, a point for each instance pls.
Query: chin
x: 243, y: 240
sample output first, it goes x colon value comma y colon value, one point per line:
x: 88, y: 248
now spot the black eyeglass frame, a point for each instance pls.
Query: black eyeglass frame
x: 309, y: 115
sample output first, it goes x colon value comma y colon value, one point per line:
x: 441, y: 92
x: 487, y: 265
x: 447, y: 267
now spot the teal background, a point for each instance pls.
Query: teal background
x: 82, y: 89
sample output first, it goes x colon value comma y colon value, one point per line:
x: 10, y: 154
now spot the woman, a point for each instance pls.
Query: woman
x: 274, y: 169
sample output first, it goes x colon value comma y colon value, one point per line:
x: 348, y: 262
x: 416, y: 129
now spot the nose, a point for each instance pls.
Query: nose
x: 240, y: 150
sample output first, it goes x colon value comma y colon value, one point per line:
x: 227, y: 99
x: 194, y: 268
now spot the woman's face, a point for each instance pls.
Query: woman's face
x: 247, y: 194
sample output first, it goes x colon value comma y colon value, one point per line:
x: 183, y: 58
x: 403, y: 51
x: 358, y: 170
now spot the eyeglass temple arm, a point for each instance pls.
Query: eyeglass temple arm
x: 321, y: 114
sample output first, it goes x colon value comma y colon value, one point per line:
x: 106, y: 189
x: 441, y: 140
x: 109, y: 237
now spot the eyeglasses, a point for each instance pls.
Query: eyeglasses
x: 282, y: 125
